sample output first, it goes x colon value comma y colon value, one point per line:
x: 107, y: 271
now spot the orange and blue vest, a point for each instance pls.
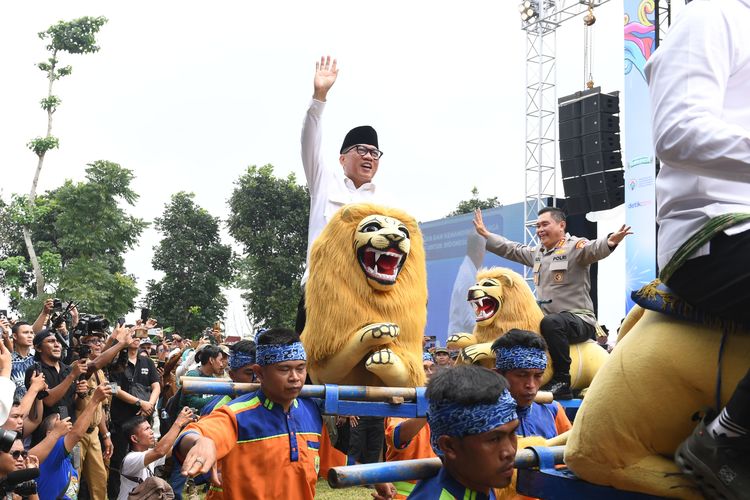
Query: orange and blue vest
x: 263, y: 451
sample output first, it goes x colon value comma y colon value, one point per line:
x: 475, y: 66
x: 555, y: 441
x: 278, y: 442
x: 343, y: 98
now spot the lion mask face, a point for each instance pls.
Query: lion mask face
x: 382, y: 245
x: 486, y: 297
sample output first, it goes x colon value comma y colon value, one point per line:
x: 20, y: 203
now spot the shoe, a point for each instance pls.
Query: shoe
x: 560, y: 389
x: 720, y: 465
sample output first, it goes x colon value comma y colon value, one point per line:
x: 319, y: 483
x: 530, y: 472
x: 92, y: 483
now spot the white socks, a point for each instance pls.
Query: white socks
x: 723, y: 424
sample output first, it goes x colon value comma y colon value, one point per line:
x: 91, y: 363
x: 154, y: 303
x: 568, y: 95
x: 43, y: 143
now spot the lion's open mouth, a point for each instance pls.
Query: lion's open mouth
x: 484, y: 307
x: 381, y: 265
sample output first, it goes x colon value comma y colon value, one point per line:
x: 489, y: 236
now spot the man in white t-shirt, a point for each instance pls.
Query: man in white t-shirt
x: 138, y: 465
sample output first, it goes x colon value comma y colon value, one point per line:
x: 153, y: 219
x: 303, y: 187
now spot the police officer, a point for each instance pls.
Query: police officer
x: 561, y: 275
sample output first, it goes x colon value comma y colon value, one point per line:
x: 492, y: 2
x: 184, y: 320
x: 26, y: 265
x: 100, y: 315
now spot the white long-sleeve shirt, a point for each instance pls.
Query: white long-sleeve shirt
x: 329, y: 188
x: 699, y: 82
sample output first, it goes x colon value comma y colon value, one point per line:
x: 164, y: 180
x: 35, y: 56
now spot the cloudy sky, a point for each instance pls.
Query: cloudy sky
x: 188, y: 94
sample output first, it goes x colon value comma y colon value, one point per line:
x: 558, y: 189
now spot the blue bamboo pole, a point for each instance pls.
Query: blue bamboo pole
x: 225, y: 387
x: 409, y: 470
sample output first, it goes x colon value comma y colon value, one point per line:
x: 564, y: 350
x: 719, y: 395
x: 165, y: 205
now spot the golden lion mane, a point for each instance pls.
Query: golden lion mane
x: 518, y: 309
x: 339, y: 300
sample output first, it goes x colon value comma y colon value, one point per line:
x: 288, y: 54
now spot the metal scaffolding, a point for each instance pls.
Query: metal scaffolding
x: 541, y: 105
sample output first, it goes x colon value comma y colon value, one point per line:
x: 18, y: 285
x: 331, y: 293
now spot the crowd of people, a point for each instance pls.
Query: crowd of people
x: 82, y: 399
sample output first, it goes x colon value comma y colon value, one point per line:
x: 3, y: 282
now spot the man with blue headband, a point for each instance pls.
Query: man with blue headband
x: 241, y: 361
x: 473, y: 421
x: 266, y: 442
x: 521, y: 357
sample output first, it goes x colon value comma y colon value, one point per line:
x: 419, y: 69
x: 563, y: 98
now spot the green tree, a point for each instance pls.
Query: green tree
x: 468, y: 206
x: 195, y: 264
x: 74, y: 37
x: 82, y: 234
x: 268, y: 216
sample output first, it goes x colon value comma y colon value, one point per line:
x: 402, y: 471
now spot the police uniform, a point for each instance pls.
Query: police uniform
x: 561, y: 275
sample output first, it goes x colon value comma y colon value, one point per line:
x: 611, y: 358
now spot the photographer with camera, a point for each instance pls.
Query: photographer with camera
x: 138, y: 464
x: 138, y: 393
x: 96, y: 445
x: 13, y: 460
x: 59, y: 479
x: 63, y: 380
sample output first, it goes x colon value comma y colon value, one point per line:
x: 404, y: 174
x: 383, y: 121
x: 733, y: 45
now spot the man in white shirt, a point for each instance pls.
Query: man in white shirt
x: 138, y: 465
x: 332, y: 188
x: 699, y: 81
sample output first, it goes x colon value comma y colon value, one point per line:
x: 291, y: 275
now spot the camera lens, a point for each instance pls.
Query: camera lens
x: 6, y: 439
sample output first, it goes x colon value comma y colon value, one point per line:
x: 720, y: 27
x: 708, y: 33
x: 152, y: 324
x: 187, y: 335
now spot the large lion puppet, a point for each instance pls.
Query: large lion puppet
x: 502, y: 301
x: 366, y: 299
x: 640, y: 406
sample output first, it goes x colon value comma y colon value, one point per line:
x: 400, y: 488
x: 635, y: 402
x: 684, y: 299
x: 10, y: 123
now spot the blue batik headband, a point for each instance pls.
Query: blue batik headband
x: 457, y: 420
x: 239, y: 359
x: 520, y: 357
x: 426, y: 356
x: 270, y: 354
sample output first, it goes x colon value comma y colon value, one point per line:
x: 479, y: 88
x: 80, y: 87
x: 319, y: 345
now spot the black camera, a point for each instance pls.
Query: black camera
x: 83, y: 351
x: 89, y: 323
x: 21, y: 482
x: 25, y: 489
x: 6, y: 440
x: 57, y: 305
x: 35, y: 369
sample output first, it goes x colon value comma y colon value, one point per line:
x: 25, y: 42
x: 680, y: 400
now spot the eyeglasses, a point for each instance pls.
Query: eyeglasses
x: 363, y: 150
x: 94, y: 342
x: 16, y: 454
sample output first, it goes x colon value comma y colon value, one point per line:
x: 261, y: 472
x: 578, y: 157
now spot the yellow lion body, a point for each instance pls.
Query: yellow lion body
x: 639, y: 407
x: 340, y: 302
x: 519, y: 309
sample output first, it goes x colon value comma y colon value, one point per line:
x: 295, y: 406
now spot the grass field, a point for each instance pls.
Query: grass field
x: 322, y: 491
x: 325, y: 492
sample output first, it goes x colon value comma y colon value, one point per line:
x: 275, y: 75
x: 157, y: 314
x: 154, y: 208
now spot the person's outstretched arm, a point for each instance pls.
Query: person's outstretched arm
x: 101, y: 393
x: 326, y: 72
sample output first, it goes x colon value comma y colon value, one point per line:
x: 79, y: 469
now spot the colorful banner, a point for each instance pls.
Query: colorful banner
x: 640, y: 170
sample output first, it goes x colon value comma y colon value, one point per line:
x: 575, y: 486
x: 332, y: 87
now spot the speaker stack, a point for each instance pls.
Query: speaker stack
x: 590, y: 157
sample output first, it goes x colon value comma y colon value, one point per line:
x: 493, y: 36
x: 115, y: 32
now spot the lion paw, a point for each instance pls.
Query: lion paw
x: 473, y: 354
x: 460, y: 340
x: 378, y: 333
x: 380, y: 359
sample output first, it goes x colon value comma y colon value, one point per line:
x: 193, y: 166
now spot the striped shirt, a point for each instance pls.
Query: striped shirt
x: 18, y: 371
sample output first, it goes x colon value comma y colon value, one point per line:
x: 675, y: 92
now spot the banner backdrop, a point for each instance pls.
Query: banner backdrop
x: 640, y: 170
x: 454, y: 253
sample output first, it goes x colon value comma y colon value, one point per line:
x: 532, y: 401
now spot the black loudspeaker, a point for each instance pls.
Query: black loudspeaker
x: 577, y: 205
x: 569, y: 111
x: 602, y: 141
x: 600, y: 103
x: 590, y: 158
x: 599, y: 162
x: 606, y: 199
x: 604, y: 181
x: 570, y: 149
x: 574, y: 186
x: 597, y: 122
x: 570, y: 129
x: 572, y: 168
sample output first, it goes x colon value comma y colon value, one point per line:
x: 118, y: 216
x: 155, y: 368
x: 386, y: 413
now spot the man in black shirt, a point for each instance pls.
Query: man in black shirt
x: 138, y: 393
x: 63, y: 381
